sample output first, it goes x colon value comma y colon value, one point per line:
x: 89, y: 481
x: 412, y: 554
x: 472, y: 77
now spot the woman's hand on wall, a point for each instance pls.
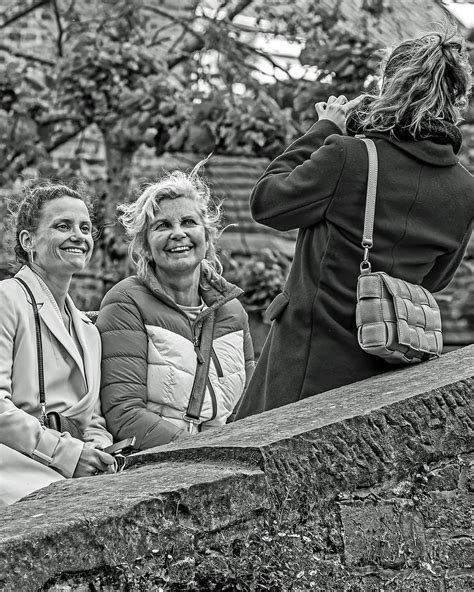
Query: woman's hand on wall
x: 93, y: 461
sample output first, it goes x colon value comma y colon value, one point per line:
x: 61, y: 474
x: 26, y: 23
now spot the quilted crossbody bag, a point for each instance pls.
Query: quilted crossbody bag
x: 53, y: 420
x: 396, y: 320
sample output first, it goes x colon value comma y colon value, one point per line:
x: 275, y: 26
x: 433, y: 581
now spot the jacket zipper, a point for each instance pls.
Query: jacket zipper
x: 213, y: 399
x: 197, y: 349
x: 217, y: 364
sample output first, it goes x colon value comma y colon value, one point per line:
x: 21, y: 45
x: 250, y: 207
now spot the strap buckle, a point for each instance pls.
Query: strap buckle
x: 365, y: 266
x: 43, y: 416
x: 192, y: 421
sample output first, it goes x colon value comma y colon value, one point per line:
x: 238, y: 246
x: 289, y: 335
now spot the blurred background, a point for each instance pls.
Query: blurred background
x: 117, y: 91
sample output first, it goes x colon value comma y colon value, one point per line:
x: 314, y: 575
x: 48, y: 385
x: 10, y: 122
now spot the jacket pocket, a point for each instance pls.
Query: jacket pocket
x: 277, y: 306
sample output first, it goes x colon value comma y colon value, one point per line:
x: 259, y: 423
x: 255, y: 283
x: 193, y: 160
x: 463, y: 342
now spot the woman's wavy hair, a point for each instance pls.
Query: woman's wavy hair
x: 424, y: 81
x: 25, y: 208
x: 136, y: 216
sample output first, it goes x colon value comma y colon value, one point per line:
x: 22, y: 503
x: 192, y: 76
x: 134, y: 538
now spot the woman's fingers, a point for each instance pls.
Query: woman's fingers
x: 92, y: 461
x: 102, y: 461
x: 320, y: 107
x: 340, y: 100
x: 353, y: 102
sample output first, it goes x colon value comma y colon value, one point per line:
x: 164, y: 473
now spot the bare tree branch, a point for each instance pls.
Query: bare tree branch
x: 23, y: 12
x: 177, y: 20
x: 59, y: 41
x: 64, y: 138
x: 240, y: 7
x: 198, y: 43
x: 26, y: 56
x: 264, y: 56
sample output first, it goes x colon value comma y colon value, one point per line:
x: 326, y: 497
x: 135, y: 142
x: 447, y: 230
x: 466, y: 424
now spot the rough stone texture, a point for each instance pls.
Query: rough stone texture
x: 92, y: 522
x: 366, y: 487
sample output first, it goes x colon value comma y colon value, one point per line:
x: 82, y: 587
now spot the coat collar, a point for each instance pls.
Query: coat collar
x: 50, y: 315
x: 425, y: 150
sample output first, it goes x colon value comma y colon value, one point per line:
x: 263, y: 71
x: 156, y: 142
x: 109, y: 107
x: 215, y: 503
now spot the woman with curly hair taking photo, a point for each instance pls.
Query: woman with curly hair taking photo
x: 423, y: 220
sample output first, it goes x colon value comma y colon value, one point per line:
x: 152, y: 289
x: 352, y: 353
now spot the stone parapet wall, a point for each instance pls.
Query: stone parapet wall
x: 364, y: 488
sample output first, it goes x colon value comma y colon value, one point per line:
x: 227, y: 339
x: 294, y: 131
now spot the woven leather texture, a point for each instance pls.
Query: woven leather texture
x: 396, y: 320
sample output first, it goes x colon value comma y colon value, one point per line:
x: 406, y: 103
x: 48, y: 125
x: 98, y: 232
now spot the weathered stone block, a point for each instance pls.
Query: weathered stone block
x: 451, y: 548
x: 450, y: 509
x: 83, y: 524
x: 390, y: 534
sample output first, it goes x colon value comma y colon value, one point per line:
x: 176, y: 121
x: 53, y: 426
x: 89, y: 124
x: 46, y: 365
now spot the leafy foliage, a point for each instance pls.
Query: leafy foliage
x: 145, y: 75
x: 229, y: 124
x: 262, y: 276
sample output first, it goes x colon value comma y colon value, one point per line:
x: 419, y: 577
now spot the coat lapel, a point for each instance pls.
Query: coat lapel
x: 89, y: 356
x: 51, y: 317
x: 91, y: 352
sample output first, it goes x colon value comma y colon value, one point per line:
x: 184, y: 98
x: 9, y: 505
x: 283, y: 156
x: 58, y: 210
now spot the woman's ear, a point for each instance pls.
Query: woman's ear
x: 26, y: 240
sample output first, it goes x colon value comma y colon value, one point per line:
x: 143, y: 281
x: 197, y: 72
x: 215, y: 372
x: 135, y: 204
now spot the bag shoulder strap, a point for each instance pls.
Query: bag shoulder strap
x: 39, y: 350
x: 371, y: 195
x: 203, y: 350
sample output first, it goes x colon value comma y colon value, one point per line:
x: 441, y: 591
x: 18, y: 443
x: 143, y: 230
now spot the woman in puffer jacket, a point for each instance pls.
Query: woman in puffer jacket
x: 162, y: 327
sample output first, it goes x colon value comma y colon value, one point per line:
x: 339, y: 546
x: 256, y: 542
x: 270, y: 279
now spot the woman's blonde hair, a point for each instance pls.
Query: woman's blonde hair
x: 136, y: 216
x: 424, y: 81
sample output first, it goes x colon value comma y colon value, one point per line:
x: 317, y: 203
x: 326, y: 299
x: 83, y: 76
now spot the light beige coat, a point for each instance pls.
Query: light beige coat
x: 32, y: 456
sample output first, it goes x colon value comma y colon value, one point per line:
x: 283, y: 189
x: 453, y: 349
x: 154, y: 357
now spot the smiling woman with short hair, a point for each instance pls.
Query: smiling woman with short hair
x: 45, y: 340
x: 177, y: 351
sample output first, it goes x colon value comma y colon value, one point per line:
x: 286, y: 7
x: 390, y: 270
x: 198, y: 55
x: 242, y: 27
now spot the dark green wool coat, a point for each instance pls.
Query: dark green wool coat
x: 423, y: 220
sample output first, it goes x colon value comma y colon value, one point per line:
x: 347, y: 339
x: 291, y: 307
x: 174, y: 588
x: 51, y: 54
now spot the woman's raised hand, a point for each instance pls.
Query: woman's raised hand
x: 335, y: 109
x: 93, y: 461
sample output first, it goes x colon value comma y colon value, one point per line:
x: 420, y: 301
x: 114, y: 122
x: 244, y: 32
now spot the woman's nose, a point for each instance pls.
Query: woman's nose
x: 77, y: 234
x: 177, y: 232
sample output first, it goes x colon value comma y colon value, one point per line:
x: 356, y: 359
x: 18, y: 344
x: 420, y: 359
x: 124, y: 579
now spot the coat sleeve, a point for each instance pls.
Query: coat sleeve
x: 18, y: 429
x: 248, y: 352
x: 124, y: 375
x: 297, y: 187
x: 445, y: 266
x: 96, y: 431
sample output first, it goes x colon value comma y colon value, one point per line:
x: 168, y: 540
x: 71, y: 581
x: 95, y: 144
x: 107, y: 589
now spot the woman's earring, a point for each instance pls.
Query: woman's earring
x: 31, y: 256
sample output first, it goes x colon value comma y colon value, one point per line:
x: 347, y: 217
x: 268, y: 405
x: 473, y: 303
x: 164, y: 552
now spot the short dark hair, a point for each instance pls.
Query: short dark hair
x: 25, y: 210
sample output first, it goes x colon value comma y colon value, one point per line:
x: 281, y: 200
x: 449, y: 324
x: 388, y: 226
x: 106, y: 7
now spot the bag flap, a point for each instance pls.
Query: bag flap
x: 417, y: 315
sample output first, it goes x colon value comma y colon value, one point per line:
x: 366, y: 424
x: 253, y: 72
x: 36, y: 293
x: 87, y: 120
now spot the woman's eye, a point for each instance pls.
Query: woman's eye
x: 86, y: 229
x: 189, y: 222
x: 62, y: 226
x: 160, y: 225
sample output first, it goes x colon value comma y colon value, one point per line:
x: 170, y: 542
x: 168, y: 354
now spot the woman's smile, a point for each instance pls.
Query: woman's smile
x: 180, y: 249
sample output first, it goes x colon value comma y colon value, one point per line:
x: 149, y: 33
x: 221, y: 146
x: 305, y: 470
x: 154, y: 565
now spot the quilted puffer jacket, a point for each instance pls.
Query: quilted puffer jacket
x: 149, y: 359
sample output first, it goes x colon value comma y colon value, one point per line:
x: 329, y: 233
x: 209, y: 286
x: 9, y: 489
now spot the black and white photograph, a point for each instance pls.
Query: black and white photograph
x: 236, y: 295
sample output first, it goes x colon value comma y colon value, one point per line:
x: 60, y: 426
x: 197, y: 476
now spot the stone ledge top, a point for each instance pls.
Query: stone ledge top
x: 331, y: 407
x: 69, y: 501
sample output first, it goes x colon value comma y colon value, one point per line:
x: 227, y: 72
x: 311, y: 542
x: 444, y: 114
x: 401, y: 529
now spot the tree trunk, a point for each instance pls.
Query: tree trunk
x: 112, y: 242
x: 119, y: 157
